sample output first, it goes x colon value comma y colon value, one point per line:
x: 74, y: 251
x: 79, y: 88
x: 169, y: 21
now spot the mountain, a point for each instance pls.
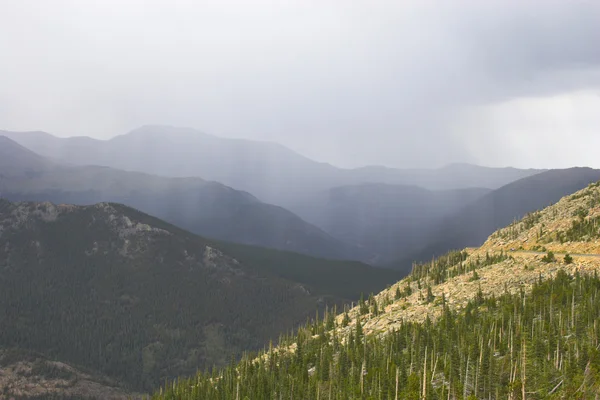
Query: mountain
x: 516, y: 318
x: 116, y: 291
x: 203, y: 207
x: 273, y: 173
x: 386, y: 220
x: 476, y: 221
x: 17, y: 161
x: 30, y: 375
x: 452, y: 176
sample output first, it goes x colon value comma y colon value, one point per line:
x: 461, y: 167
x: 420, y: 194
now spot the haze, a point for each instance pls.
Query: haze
x: 402, y: 84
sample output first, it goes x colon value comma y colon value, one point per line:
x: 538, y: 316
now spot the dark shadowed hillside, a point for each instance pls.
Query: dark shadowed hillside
x: 385, y: 219
x: 109, y: 288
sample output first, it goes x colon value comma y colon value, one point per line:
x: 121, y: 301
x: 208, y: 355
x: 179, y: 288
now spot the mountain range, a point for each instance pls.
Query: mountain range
x: 271, y: 172
x: 373, y: 214
x: 378, y: 215
x: 105, y: 300
x: 203, y: 207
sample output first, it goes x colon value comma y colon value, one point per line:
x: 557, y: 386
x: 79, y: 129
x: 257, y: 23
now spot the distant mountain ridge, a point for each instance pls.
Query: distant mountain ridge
x: 384, y: 219
x: 271, y: 172
x: 203, y: 207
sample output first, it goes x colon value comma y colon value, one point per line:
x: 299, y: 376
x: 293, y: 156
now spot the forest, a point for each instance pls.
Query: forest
x: 538, y: 345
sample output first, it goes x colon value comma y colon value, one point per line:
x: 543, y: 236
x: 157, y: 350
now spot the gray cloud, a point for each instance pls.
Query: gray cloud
x: 352, y: 83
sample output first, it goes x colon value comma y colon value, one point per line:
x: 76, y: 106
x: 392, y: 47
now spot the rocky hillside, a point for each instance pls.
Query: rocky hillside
x: 116, y: 291
x: 514, y: 319
x: 32, y: 376
x: 513, y: 258
x: 472, y: 225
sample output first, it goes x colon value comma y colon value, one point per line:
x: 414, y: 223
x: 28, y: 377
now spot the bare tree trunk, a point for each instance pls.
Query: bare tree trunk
x: 424, y: 393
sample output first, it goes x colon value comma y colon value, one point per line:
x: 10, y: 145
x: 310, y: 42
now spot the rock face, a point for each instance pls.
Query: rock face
x: 522, y: 258
x: 33, y: 376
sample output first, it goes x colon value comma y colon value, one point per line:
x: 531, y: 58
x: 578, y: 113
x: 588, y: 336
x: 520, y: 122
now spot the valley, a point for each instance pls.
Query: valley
x: 299, y: 200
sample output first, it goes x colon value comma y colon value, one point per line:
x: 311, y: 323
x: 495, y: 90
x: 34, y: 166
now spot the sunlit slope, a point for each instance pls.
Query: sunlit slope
x: 511, y: 259
x: 517, y: 318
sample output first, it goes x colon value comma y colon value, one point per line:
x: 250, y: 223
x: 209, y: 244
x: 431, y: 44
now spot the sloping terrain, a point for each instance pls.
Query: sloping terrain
x: 516, y: 318
x: 16, y: 160
x: 111, y: 289
x: 30, y: 376
x: 206, y: 208
x: 512, y: 258
x: 383, y: 219
x: 475, y: 222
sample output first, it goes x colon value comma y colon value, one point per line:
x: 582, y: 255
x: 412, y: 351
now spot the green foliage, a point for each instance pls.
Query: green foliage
x: 345, y: 320
x: 531, y: 219
x: 549, y: 257
x: 452, y: 265
x: 437, y: 268
x: 538, y: 247
x: 544, y: 344
x: 374, y: 308
x: 344, y: 279
x: 430, y: 297
x: 474, y: 277
x: 363, y: 306
x: 568, y: 259
x: 582, y: 229
x: 154, y: 307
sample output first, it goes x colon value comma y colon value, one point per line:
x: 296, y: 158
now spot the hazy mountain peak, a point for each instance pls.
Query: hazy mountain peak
x: 165, y: 130
x: 16, y: 158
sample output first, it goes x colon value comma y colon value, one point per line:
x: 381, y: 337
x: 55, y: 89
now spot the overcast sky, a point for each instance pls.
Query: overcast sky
x: 397, y: 83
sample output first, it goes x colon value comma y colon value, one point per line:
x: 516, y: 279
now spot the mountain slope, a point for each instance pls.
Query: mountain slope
x: 29, y: 375
x: 510, y: 259
x: 206, y: 208
x: 270, y: 171
x: 505, y: 320
x: 386, y: 220
x: 472, y: 225
x: 112, y: 289
x: 16, y: 160
x: 452, y: 176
